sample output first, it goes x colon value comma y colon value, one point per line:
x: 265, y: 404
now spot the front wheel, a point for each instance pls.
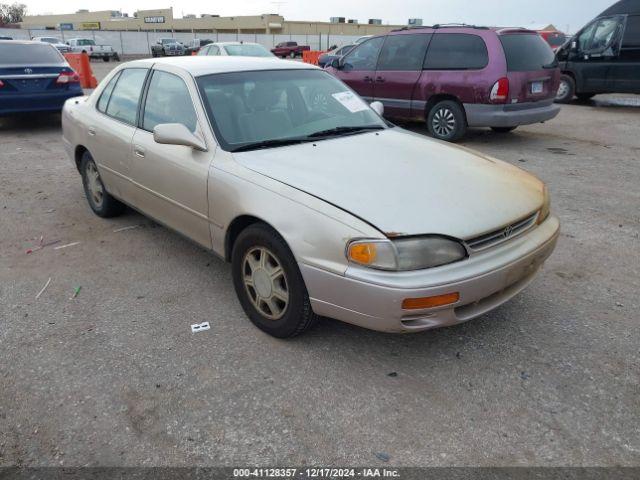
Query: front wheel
x: 102, y: 204
x: 566, y: 90
x: 503, y: 129
x: 446, y: 121
x: 105, y: 59
x: 269, y: 284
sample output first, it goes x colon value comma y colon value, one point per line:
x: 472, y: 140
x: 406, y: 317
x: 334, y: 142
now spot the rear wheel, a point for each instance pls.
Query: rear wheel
x: 446, y: 121
x: 105, y: 59
x: 102, y: 204
x: 566, y: 90
x: 292, y: 54
x: 503, y: 129
x: 269, y: 284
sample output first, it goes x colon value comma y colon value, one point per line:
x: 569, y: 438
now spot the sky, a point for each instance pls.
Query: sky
x: 562, y: 13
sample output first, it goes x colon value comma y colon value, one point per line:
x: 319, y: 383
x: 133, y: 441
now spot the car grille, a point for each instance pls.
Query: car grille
x: 501, y: 235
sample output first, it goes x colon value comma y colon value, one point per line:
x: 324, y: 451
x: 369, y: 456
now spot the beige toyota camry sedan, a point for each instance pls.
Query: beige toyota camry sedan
x: 322, y: 207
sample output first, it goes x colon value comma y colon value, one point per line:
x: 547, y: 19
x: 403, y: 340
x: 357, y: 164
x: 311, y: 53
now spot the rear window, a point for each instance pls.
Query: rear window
x: 526, y: 52
x: 29, y: 54
x: 456, y: 51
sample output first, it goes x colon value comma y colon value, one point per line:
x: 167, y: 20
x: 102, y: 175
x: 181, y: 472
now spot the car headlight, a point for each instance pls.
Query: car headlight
x: 546, y: 206
x: 401, y: 254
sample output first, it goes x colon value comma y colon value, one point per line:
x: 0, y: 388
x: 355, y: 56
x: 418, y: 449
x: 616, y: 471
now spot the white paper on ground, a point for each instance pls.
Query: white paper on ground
x: 350, y: 101
x: 199, y: 327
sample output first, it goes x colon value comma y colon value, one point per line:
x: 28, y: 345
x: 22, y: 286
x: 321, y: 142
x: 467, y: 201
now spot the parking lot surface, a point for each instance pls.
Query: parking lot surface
x: 111, y: 374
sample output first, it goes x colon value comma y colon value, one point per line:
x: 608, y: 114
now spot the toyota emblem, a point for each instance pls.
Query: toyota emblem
x: 28, y: 71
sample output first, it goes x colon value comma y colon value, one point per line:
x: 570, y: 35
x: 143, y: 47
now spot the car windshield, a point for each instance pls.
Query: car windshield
x: 557, y: 40
x: 248, y: 50
x: 260, y: 109
x: 29, y: 54
x: 86, y: 42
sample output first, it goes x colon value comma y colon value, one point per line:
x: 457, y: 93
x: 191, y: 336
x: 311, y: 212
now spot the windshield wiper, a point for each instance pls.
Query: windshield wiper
x: 344, y: 130
x: 276, y: 142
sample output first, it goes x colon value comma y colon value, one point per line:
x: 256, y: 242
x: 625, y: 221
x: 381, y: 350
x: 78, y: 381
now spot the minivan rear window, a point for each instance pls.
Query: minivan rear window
x: 29, y: 54
x: 526, y: 52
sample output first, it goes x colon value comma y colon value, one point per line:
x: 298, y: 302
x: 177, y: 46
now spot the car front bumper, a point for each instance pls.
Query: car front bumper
x: 511, y: 115
x: 373, y: 299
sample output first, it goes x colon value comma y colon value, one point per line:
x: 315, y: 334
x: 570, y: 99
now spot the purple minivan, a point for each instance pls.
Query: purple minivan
x: 454, y: 77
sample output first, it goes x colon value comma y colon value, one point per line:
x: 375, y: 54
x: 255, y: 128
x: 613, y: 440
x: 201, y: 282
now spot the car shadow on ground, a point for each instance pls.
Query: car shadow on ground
x: 31, y: 122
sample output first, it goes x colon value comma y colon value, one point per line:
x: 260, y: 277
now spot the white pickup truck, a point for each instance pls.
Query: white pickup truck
x: 88, y: 46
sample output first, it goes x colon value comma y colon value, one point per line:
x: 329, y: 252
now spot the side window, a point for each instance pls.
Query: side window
x: 631, y: 38
x: 403, y: 52
x: 103, y: 101
x: 123, y: 104
x: 168, y: 101
x: 365, y: 56
x: 204, y: 51
x: 456, y: 51
x: 605, y: 34
x: 213, y: 51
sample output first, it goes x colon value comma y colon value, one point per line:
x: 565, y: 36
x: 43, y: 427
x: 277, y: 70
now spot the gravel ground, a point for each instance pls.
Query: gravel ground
x: 114, y: 376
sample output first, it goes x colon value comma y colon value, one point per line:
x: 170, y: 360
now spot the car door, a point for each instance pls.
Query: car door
x: 597, y: 51
x: 399, y: 68
x: 359, y: 67
x: 170, y: 181
x: 624, y: 73
x: 111, y: 129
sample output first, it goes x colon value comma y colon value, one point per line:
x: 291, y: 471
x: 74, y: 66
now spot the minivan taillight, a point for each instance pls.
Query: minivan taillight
x: 1, y: 84
x: 500, y: 91
x: 67, y: 77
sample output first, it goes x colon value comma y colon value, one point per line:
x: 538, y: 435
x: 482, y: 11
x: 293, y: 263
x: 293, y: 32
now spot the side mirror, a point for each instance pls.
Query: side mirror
x: 337, y: 63
x: 177, y: 134
x: 574, y: 45
x: 377, y: 107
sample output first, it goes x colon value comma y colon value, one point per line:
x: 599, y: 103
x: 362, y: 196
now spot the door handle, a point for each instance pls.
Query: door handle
x: 380, y: 79
x: 92, y: 131
x: 138, y: 151
x: 367, y: 79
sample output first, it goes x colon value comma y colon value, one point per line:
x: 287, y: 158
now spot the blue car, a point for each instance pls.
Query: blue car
x: 34, y: 77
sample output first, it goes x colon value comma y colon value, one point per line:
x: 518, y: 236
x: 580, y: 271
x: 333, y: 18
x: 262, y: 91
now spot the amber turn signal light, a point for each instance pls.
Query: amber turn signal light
x: 430, y: 302
x: 363, y: 253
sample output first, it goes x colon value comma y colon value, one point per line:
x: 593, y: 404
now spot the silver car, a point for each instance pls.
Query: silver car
x: 321, y: 206
x: 56, y: 42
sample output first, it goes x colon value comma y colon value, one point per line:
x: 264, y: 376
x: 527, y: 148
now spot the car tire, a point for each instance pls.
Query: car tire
x: 154, y: 54
x: 503, y: 129
x: 566, y: 90
x: 102, y: 204
x: 276, y: 303
x: 446, y: 121
x: 584, y: 97
x: 116, y: 58
x: 105, y: 59
x: 292, y: 55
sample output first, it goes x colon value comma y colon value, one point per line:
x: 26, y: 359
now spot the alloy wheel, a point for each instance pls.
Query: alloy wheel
x: 444, y: 122
x: 563, y: 90
x: 94, y: 185
x: 265, y: 282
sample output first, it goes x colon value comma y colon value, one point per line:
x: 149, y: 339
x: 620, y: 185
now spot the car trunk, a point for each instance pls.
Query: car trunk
x: 531, y: 67
x: 30, y: 80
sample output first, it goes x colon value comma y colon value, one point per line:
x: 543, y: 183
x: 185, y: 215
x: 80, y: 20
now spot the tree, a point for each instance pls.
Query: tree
x: 12, y: 13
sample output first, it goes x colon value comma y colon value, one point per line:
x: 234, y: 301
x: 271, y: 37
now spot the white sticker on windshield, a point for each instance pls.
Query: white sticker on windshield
x: 350, y: 101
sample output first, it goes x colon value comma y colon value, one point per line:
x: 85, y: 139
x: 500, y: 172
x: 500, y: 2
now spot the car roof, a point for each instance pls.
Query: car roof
x: 198, y: 65
x: 235, y: 43
x: 21, y: 42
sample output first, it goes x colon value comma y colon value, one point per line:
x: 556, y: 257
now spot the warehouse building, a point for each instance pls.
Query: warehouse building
x: 163, y: 20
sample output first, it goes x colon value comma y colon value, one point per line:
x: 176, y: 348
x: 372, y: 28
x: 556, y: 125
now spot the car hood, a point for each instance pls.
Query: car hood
x: 405, y: 184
